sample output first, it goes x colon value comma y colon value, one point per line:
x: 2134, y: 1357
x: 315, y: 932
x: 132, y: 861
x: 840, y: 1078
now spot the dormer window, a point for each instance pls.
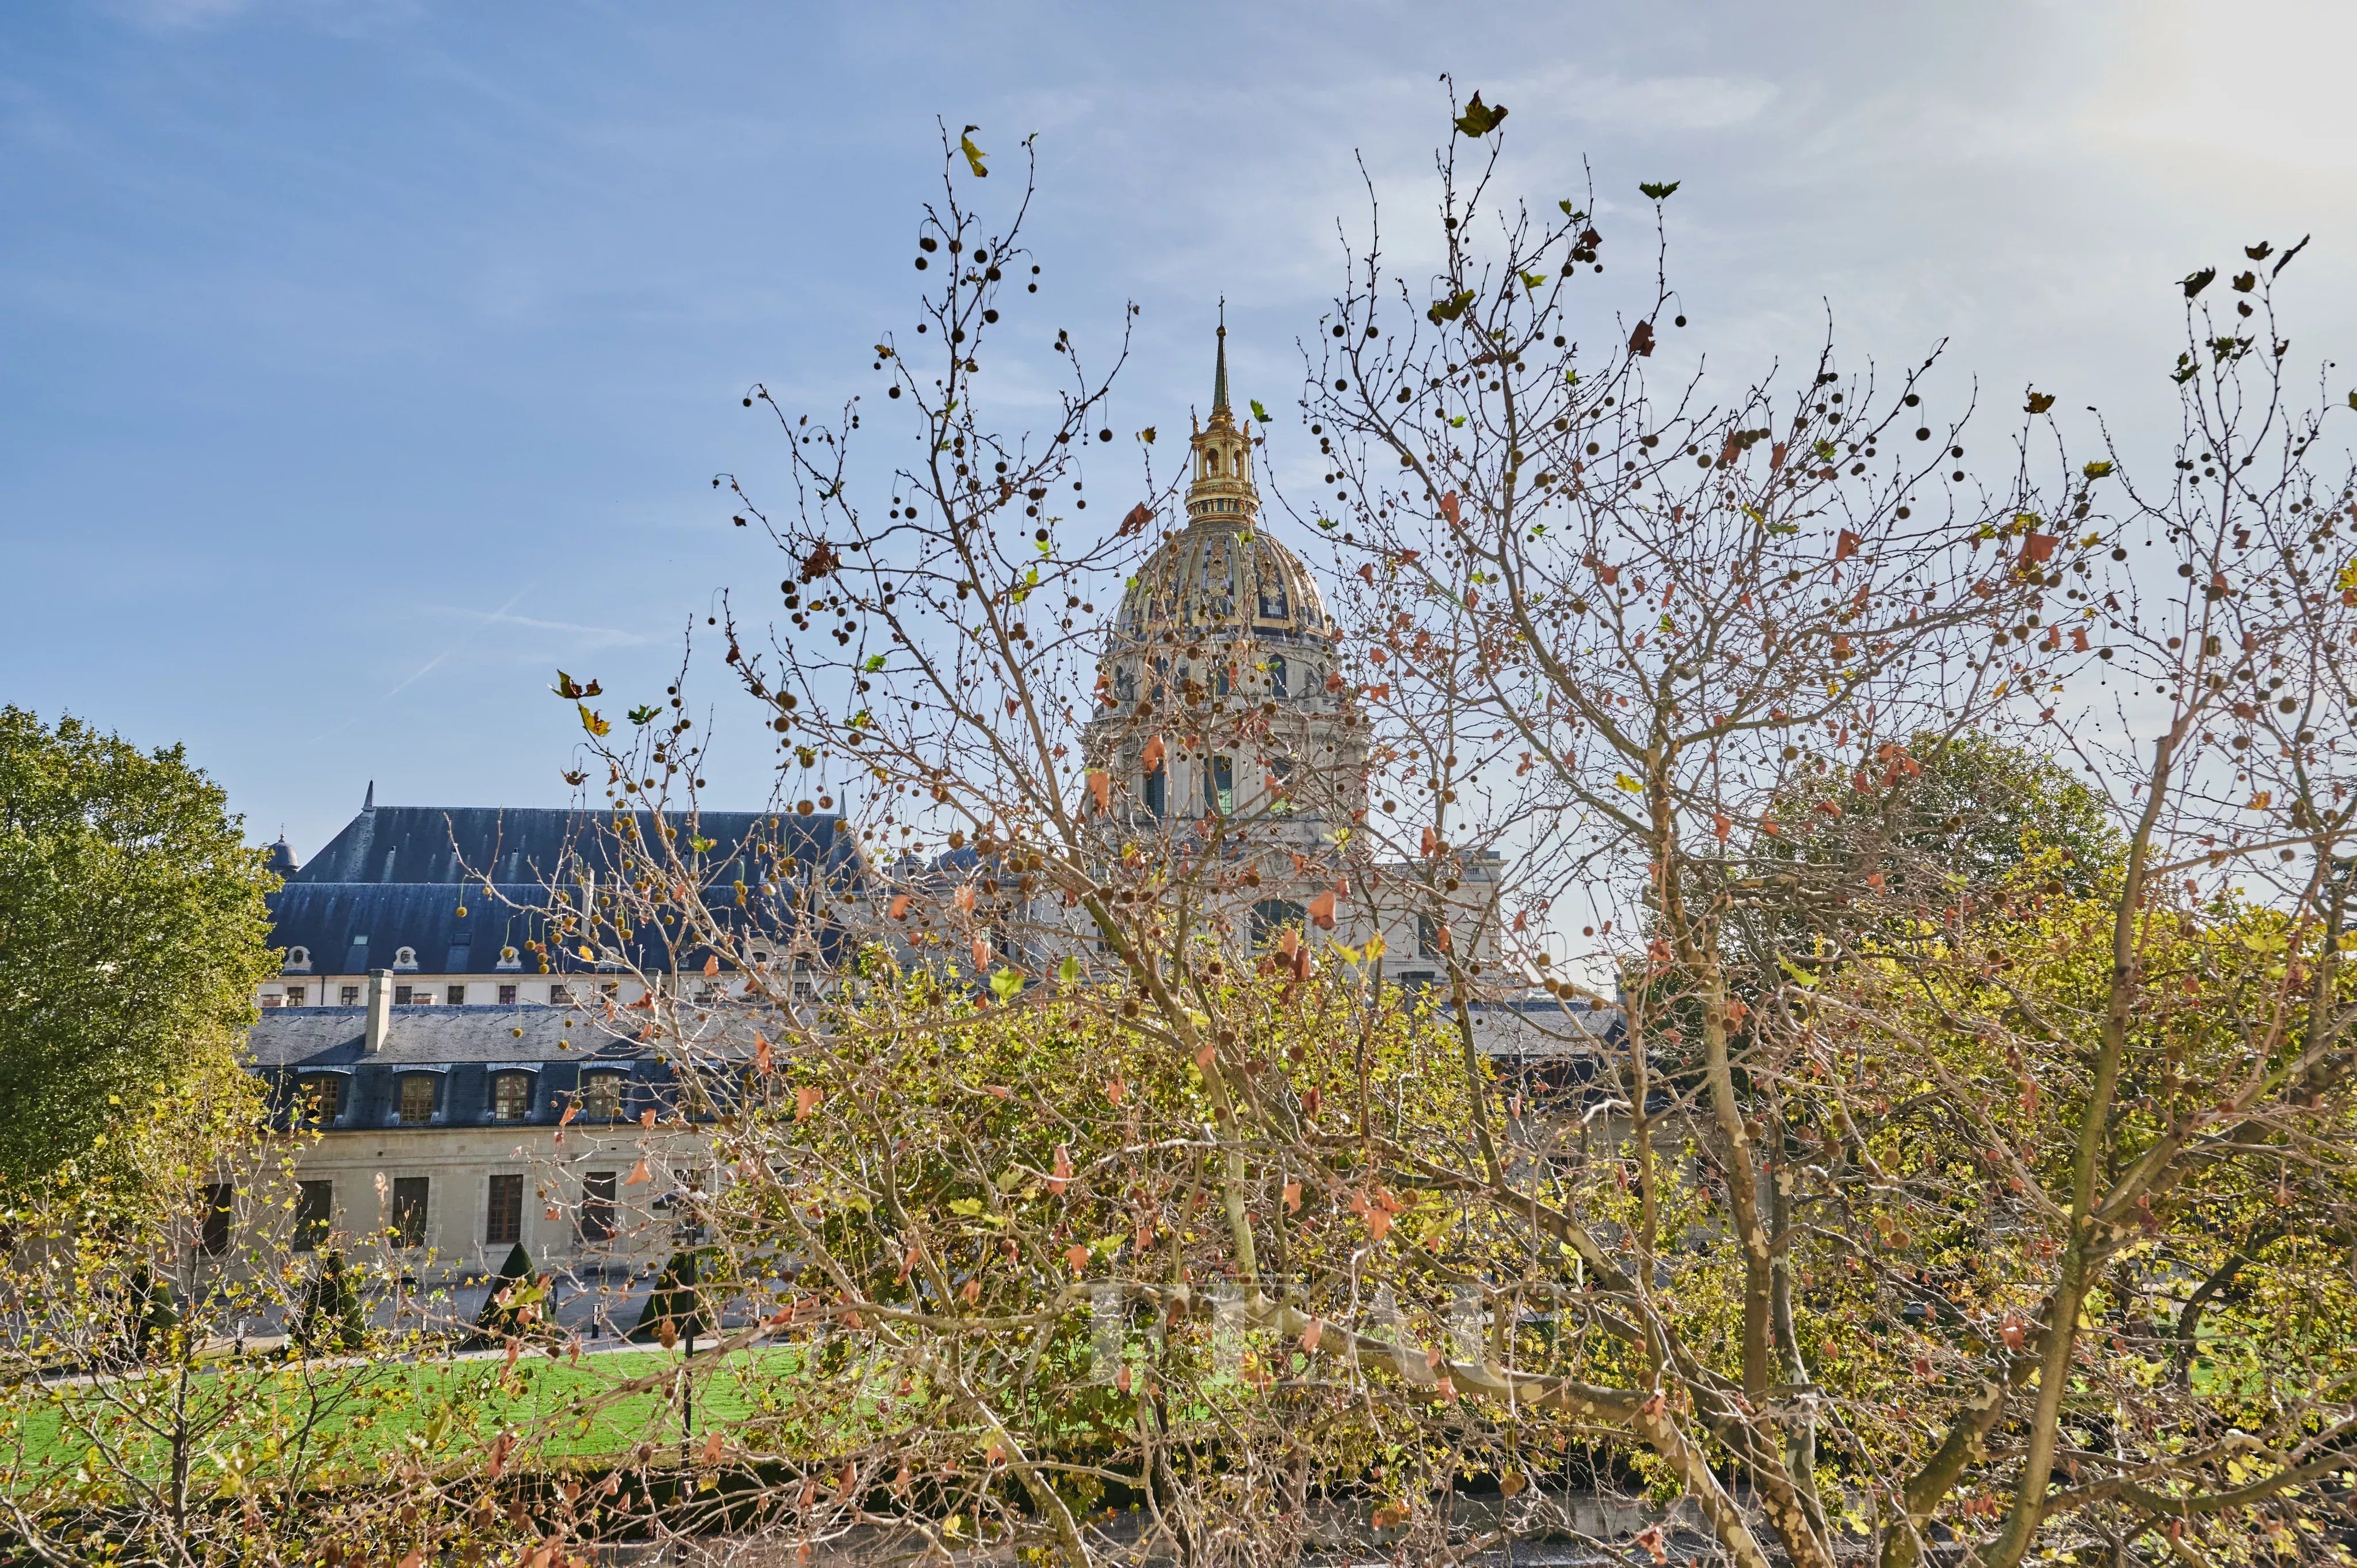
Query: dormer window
x: 601, y: 1097
x: 299, y: 960
x: 404, y: 958
x: 417, y: 1098
x: 319, y: 1098
x: 511, y: 1097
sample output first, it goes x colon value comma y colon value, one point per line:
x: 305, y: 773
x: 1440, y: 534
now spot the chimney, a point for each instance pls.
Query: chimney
x: 380, y: 1011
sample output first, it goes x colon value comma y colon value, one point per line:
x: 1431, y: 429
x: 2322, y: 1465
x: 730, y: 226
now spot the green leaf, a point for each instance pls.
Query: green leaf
x: 1005, y: 985
x: 1576, y: 217
x: 644, y: 713
x: 1656, y: 191
x: 1330, y: 525
x: 1479, y: 119
x: 1069, y: 971
x: 1259, y: 412
x: 875, y: 663
x: 968, y: 1207
x: 1457, y: 423
x: 1449, y: 310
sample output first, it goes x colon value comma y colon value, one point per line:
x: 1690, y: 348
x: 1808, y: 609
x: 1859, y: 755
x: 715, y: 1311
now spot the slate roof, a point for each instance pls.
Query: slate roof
x: 397, y: 876
x: 464, y: 1049
x: 456, y: 844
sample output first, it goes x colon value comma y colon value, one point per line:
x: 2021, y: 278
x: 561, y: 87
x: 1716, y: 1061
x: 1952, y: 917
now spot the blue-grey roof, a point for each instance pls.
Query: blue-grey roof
x: 398, y: 876
x: 459, y: 844
x: 464, y: 1048
x: 348, y: 927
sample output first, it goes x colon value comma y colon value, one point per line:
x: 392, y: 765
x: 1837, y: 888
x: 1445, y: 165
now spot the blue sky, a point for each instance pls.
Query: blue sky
x: 362, y: 363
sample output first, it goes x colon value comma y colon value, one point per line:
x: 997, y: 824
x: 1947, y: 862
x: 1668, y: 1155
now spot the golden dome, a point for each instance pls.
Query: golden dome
x: 1220, y: 574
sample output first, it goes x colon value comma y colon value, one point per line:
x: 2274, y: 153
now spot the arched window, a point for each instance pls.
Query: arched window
x: 1219, y: 786
x: 1125, y: 684
x: 299, y: 960
x: 1157, y: 790
x: 404, y: 958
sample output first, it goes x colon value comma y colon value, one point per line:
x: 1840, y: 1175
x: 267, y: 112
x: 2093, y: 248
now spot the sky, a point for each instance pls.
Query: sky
x: 363, y: 363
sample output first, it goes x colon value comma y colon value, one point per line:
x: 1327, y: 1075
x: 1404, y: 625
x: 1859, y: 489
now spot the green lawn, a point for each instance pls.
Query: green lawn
x: 361, y: 1416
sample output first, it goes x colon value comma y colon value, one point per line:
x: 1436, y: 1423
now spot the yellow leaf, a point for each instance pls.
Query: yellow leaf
x: 1622, y: 782
x: 974, y: 156
x: 591, y: 722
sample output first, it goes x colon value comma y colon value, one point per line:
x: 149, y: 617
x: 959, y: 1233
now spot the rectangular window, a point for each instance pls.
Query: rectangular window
x: 1219, y: 786
x: 348, y: 996
x: 609, y: 989
x: 560, y: 995
x: 403, y: 995
x: 212, y: 1223
x: 506, y: 996
x: 511, y: 1097
x: 456, y: 995
x: 295, y: 995
x: 1272, y: 917
x: 504, y: 1218
x: 314, y: 1206
x: 408, y: 1219
x: 597, y: 1206
x: 601, y: 1096
x: 1427, y: 937
x: 1158, y: 791
x: 323, y: 1096
x: 417, y: 1100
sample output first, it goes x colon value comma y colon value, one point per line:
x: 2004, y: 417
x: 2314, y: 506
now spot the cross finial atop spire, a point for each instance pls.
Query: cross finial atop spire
x: 1219, y: 377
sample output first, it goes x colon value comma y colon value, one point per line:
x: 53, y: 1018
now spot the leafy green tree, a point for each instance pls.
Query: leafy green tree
x: 133, y: 933
x: 1977, y: 799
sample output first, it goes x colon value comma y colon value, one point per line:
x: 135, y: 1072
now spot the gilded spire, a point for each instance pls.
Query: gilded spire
x: 1222, y: 487
x: 1220, y: 376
